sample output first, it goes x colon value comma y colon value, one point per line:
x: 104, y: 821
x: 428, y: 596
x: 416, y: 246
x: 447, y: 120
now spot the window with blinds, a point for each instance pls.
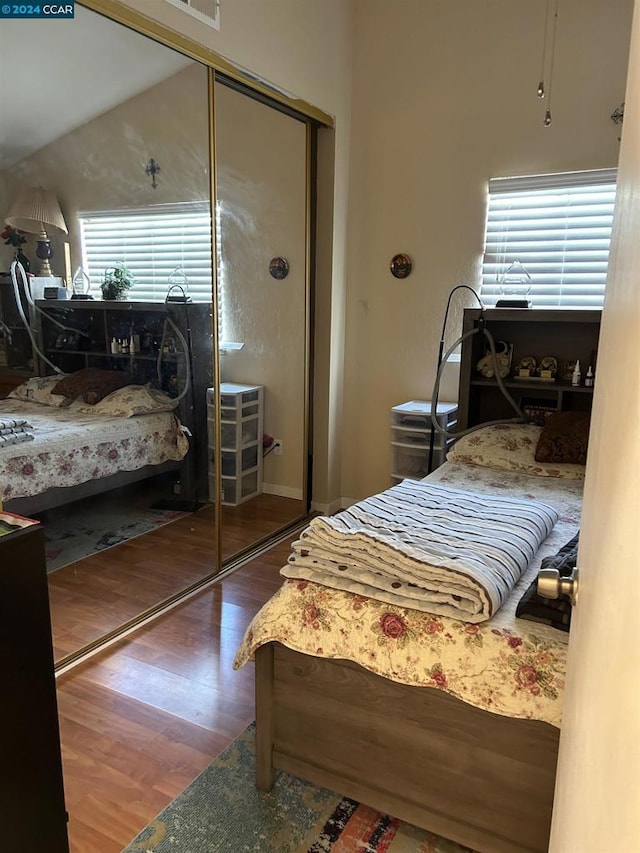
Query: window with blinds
x: 162, y: 245
x: 555, y: 230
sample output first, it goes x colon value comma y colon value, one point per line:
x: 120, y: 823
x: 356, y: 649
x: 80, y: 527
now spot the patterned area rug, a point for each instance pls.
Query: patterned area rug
x: 83, y: 528
x: 221, y: 811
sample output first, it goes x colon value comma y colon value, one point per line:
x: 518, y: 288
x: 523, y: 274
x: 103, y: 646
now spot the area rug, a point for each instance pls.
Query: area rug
x: 83, y: 528
x: 221, y: 811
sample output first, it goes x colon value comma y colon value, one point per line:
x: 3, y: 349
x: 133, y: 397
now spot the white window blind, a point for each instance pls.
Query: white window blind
x: 558, y: 227
x: 157, y: 244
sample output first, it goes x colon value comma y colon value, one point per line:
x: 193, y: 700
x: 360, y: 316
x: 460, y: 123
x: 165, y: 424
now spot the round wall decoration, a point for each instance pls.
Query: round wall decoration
x: 400, y: 266
x: 279, y: 267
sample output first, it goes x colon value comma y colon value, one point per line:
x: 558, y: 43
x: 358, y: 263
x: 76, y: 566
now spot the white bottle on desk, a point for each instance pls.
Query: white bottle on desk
x: 577, y: 376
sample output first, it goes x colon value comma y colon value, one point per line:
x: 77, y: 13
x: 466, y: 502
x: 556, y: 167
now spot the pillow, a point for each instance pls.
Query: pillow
x: 39, y: 389
x: 129, y: 401
x: 564, y: 438
x: 509, y: 447
x: 91, y: 384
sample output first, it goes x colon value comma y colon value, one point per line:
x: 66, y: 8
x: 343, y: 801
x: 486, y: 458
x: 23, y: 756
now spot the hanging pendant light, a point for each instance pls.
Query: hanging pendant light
x: 548, y: 55
x: 543, y: 63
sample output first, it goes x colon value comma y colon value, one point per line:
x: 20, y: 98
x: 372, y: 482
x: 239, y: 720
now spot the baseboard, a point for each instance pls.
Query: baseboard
x: 282, y: 491
x: 345, y: 503
x: 328, y: 508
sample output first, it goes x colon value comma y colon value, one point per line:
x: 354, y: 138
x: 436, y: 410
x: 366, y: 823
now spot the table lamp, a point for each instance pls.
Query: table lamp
x: 37, y: 211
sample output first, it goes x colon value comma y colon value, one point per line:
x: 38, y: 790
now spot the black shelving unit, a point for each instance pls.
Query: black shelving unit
x: 565, y: 334
x: 16, y: 356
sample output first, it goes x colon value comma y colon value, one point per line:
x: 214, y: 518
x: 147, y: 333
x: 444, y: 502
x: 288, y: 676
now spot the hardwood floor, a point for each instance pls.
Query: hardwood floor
x: 98, y: 594
x: 140, y: 721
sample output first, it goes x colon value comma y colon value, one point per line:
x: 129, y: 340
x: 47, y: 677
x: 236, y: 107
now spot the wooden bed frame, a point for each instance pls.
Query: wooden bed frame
x: 483, y: 780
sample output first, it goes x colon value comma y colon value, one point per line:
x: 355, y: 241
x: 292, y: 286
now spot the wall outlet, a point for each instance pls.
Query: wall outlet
x: 277, y: 447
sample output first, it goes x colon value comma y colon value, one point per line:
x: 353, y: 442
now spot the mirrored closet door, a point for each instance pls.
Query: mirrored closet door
x: 263, y: 299
x: 124, y: 155
x: 149, y: 479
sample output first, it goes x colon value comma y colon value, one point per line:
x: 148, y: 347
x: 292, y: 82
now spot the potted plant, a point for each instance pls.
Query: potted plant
x: 14, y: 237
x: 116, y: 282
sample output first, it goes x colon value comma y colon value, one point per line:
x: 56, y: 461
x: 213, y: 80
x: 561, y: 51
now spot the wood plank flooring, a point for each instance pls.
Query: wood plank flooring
x: 141, y: 720
x: 98, y: 594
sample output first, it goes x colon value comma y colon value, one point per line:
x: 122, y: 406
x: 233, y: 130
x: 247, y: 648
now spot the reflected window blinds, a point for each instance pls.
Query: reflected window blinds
x: 152, y: 243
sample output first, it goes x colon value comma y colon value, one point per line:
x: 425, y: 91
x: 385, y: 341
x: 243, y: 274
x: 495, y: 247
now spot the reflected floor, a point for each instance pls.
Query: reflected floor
x: 80, y: 529
x: 95, y: 595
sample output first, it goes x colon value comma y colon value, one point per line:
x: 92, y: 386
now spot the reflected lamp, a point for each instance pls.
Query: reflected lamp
x: 37, y: 211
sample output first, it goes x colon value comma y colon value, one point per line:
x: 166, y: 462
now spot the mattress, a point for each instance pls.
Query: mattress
x: 505, y: 665
x: 70, y: 448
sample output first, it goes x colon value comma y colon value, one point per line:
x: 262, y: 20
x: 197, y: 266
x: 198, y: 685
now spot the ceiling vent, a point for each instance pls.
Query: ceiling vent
x: 207, y: 11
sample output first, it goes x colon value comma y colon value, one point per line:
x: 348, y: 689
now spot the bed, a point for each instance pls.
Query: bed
x: 80, y: 449
x: 448, y: 724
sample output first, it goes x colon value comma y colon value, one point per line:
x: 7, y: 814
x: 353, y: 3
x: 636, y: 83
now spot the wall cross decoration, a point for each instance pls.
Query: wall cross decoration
x: 617, y: 116
x: 152, y: 170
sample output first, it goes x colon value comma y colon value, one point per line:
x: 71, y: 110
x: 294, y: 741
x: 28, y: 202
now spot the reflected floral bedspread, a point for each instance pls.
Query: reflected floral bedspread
x: 71, y: 448
x: 506, y: 665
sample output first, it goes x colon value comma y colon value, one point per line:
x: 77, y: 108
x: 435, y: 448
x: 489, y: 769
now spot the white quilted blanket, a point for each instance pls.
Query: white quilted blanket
x: 432, y: 548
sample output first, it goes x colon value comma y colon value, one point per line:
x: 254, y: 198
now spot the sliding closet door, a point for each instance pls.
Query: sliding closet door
x: 126, y: 152
x: 263, y: 303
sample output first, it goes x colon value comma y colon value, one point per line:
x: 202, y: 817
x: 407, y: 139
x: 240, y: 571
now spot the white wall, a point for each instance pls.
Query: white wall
x: 445, y: 97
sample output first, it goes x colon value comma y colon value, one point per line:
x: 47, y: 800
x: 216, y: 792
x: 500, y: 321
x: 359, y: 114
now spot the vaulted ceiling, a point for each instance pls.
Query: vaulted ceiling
x: 57, y: 75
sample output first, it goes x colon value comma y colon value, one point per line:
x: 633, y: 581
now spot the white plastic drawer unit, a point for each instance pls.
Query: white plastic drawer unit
x: 411, y: 437
x: 241, y: 427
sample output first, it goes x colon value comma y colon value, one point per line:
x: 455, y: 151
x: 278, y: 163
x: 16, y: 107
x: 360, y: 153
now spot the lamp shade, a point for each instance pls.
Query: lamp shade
x: 36, y: 209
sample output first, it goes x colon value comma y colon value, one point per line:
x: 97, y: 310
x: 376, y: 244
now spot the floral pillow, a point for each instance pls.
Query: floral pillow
x: 129, y: 401
x: 509, y: 447
x: 39, y: 389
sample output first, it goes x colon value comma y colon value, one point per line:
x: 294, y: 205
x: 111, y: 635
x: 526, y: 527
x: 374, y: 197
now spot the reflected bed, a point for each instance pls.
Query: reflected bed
x: 74, y: 454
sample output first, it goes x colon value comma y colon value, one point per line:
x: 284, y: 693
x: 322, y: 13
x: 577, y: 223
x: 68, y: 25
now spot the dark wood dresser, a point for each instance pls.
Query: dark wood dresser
x: 32, y: 807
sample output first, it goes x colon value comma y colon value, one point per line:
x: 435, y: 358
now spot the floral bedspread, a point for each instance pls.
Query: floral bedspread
x: 71, y: 448
x: 506, y: 665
